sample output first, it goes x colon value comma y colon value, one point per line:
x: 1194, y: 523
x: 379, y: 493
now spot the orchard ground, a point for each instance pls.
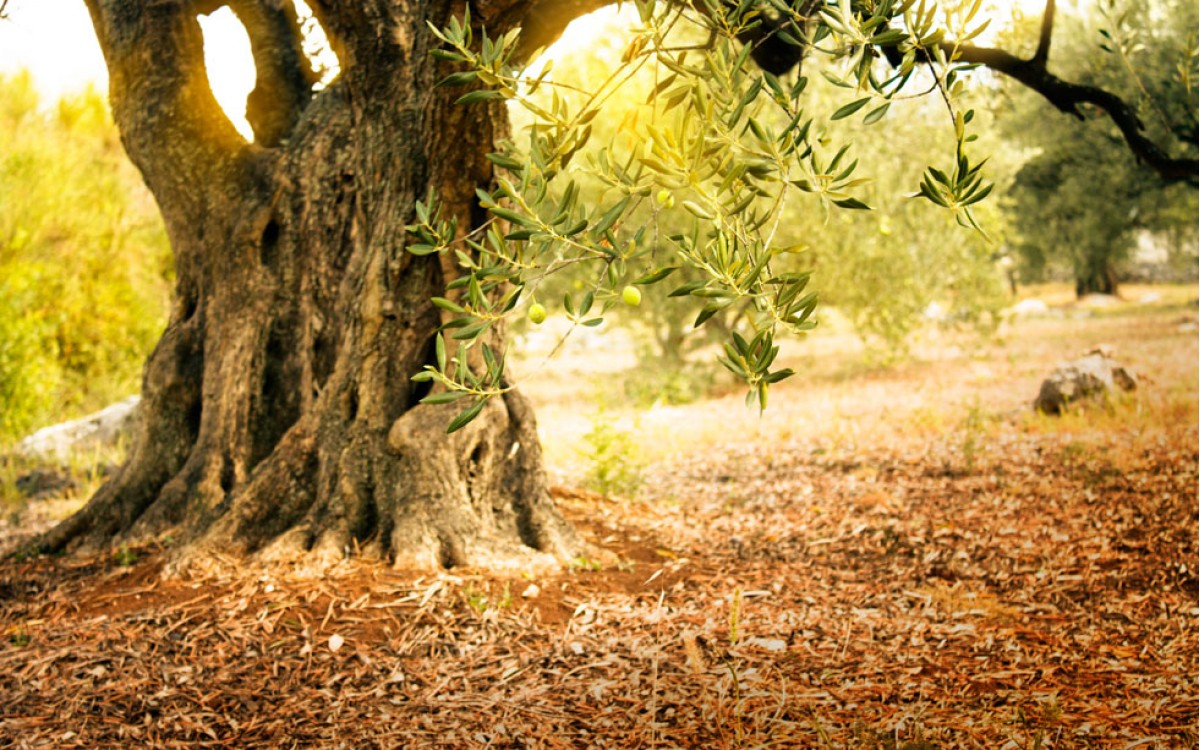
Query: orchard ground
x: 900, y: 557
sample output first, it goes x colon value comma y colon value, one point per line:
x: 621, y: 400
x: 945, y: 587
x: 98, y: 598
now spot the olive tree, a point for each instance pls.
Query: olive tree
x: 1080, y: 203
x: 378, y: 229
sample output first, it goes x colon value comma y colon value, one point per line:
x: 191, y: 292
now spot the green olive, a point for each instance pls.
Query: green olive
x: 537, y: 314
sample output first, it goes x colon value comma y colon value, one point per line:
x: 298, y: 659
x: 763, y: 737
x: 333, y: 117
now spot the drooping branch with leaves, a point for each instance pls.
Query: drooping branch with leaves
x: 721, y: 145
x: 708, y: 142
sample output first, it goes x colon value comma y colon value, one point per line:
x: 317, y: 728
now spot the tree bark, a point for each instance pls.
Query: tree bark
x: 278, y: 414
x: 1095, y: 276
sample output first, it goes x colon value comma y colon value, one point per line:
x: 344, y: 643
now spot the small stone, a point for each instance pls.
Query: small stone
x: 1091, y: 377
x: 105, y: 427
x: 1029, y: 308
x: 336, y: 642
x: 531, y: 591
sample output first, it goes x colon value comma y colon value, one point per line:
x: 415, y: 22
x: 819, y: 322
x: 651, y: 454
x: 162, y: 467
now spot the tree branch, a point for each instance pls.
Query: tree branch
x: 171, y: 125
x: 1032, y: 73
x: 542, y: 22
x: 774, y: 56
x: 1067, y: 97
x: 768, y: 51
x: 1043, y: 49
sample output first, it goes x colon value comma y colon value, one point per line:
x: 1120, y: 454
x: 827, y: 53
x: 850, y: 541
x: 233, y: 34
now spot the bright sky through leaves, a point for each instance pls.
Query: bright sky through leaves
x: 54, y: 39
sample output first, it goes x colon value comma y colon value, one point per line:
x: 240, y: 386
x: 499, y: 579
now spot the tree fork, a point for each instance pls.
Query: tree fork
x: 278, y: 416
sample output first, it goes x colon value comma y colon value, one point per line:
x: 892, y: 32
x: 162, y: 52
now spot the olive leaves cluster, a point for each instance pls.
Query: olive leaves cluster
x: 719, y: 146
x: 911, y: 35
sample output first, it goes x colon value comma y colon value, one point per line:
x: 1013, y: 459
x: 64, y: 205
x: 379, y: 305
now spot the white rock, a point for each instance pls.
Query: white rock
x: 1093, y: 301
x: 58, y: 441
x: 1029, y: 308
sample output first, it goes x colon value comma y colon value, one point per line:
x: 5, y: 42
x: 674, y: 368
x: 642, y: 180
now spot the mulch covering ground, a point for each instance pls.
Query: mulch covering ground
x: 1038, y: 595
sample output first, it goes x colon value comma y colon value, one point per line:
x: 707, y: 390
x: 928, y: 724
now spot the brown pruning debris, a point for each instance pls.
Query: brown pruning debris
x: 1033, y: 586
x: 890, y: 603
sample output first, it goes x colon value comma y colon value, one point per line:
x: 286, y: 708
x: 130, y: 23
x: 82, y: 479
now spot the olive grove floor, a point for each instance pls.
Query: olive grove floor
x: 888, y: 558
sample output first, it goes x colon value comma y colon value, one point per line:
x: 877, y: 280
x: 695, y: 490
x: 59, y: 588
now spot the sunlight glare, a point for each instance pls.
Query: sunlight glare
x: 609, y: 25
x: 230, y: 65
x: 316, y: 45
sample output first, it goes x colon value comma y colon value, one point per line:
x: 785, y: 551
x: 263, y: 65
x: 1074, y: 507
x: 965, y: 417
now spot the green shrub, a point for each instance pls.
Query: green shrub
x: 615, y: 466
x: 85, y: 265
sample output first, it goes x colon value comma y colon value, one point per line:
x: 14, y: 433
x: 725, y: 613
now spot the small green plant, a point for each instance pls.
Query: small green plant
x: 612, y: 452
x: 124, y: 556
x: 663, y: 382
x: 973, y: 430
x: 481, y: 602
x: 476, y: 600
x: 18, y: 636
x: 735, y: 615
x: 583, y: 562
x: 1075, y: 454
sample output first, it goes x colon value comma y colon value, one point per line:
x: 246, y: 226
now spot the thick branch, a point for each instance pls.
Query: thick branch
x: 171, y: 124
x: 1032, y: 73
x: 1068, y: 96
x: 284, y: 76
x: 1043, y: 49
x: 778, y: 57
x: 768, y: 50
x: 543, y: 21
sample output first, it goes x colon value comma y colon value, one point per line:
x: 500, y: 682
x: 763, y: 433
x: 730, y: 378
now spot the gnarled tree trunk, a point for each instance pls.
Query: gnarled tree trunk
x: 1094, y: 274
x: 278, y: 413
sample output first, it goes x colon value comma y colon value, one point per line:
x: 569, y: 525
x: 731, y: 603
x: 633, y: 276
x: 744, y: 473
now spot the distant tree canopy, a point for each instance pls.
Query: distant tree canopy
x: 1083, y: 199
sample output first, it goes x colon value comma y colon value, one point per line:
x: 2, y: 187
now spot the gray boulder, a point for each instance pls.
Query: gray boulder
x: 1093, y: 376
x: 105, y: 427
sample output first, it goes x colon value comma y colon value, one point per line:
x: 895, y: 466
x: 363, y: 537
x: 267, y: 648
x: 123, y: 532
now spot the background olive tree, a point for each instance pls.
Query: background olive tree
x: 1082, y: 198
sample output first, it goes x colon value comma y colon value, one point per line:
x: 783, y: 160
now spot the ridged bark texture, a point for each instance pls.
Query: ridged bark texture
x: 278, y: 414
